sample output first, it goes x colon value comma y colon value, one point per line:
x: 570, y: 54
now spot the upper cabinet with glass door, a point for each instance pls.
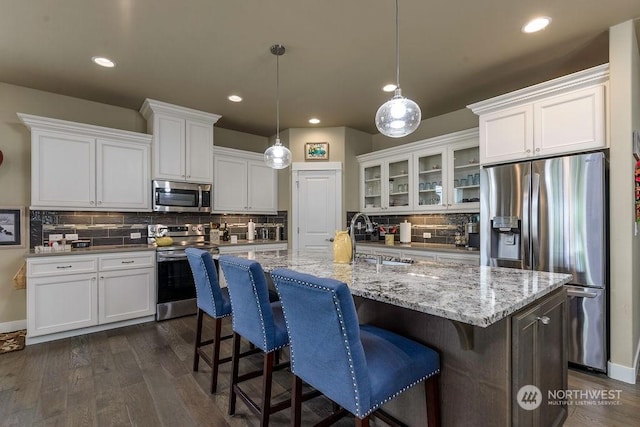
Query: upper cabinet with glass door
x: 386, y: 185
x: 464, y: 167
x: 434, y: 175
x: 372, y: 186
x: 430, y: 168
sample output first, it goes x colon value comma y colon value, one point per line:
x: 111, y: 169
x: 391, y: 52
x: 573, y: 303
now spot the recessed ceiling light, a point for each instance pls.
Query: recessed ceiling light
x: 536, y: 24
x: 103, y: 62
x: 234, y: 98
x: 389, y: 88
x: 314, y: 121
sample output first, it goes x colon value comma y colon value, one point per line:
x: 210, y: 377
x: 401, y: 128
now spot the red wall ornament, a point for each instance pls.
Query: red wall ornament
x: 1, y: 157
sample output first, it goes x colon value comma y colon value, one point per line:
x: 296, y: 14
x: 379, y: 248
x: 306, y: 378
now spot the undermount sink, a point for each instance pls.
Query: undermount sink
x: 387, y: 261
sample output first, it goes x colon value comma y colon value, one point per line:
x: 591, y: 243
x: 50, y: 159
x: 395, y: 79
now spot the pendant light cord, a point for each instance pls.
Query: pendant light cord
x: 397, y: 45
x: 278, y: 98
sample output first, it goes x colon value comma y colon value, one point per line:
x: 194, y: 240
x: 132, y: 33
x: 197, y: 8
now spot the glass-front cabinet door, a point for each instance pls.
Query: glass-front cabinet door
x: 465, y: 177
x: 430, y: 178
x: 372, y: 187
x: 399, y: 191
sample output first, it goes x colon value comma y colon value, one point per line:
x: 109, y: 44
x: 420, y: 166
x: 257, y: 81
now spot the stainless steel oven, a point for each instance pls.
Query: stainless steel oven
x: 176, y: 292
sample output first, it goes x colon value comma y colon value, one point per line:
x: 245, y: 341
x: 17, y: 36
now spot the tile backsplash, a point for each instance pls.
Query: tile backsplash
x: 443, y: 227
x: 115, y: 228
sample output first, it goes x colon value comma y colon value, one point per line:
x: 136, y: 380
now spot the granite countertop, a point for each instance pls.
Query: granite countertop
x: 475, y: 295
x: 94, y: 250
x: 435, y: 247
x: 251, y: 242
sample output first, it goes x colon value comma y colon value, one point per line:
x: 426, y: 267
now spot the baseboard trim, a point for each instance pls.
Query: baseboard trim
x: 74, y: 333
x: 621, y: 373
x: 15, y: 325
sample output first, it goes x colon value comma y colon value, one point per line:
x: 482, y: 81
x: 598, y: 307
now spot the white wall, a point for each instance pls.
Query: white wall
x: 625, y: 246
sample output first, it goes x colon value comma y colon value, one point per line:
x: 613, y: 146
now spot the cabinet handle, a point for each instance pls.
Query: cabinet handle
x: 100, y: 202
x: 544, y: 320
x: 528, y: 150
x: 188, y: 176
x: 537, y: 150
x: 127, y: 262
x: 60, y: 267
x: 101, y: 277
x: 91, y: 202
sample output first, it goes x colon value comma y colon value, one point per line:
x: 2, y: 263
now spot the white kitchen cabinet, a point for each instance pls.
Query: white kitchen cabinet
x: 73, y: 294
x: 561, y: 116
x: 122, y: 175
x: 448, y: 177
x: 76, y: 166
x: 243, y: 183
x: 126, y: 294
x: 126, y: 286
x: 182, y: 141
x: 440, y: 174
x: 386, y: 184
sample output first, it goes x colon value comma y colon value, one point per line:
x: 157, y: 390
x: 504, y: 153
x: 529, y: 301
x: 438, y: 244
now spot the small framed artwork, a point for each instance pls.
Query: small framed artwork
x: 636, y: 144
x: 12, y: 227
x: 316, y: 151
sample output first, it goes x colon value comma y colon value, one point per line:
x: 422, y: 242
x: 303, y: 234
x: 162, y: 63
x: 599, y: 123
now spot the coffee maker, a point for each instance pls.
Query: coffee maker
x: 472, y: 235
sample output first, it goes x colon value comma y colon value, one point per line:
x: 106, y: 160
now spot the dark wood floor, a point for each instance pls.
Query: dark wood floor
x: 141, y: 376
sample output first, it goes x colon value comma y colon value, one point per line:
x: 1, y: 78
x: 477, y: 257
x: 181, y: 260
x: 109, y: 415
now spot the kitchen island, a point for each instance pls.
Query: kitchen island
x: 496, y: 329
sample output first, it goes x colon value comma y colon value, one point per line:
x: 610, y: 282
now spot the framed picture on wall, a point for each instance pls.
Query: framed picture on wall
x: 636, y: 144
x: 316, y: 151
x: 12, y: 227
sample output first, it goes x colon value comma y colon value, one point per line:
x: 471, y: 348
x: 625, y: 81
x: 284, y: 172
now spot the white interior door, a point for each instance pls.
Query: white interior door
x: 317, y: 205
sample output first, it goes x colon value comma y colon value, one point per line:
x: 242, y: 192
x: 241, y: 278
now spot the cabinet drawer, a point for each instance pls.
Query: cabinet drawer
x: 123, y: 261
x: 49, y: 266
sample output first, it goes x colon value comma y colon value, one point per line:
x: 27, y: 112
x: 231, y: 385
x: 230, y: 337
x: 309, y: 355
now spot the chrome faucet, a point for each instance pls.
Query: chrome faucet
x: 368, y: 229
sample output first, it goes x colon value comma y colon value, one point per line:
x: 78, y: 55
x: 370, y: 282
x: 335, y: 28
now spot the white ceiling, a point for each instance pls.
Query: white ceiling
x: 339, y: 52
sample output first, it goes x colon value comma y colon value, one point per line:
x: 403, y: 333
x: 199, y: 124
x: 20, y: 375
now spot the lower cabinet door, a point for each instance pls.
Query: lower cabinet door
x: 539, y: 358
x: 61, y: 303
x: 126, y: 294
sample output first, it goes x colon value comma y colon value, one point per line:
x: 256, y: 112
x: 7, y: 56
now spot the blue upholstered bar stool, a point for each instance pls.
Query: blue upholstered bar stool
x: 359, y: 367
x: 212, y: 301
x: 260, y: 322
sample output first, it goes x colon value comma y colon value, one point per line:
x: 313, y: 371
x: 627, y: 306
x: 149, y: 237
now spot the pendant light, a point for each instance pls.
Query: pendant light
x: 399, y: 116
x: 277, y: 156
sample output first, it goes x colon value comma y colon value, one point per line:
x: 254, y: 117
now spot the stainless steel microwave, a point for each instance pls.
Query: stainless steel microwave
x: 173, y: 196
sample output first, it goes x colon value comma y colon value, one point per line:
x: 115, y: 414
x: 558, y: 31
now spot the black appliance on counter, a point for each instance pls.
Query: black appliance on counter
x: 175, y: 289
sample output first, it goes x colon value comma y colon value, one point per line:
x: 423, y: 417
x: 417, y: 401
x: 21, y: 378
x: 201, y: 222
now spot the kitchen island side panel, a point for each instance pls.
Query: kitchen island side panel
x: 475, y: 384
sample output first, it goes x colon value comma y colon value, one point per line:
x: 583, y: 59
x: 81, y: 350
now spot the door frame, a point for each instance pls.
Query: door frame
x: 298, y: 167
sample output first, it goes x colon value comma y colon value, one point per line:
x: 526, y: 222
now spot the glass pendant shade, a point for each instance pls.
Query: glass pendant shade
x: 277, y: 156
x: 398, y: 117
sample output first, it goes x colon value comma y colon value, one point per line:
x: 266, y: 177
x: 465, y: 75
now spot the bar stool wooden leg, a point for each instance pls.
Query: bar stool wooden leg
x: 216, y: 355
x: 196, y: 356
x: 266, y: 388
x: 235, y: 360
x: 296, y: 402
x: 432, y: 391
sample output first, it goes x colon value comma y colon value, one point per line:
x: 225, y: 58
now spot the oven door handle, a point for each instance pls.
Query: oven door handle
x: 168, y: 258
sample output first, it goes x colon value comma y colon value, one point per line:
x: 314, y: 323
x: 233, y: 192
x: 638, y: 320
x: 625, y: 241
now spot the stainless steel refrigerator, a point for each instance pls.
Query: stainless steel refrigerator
x: 551, y: 215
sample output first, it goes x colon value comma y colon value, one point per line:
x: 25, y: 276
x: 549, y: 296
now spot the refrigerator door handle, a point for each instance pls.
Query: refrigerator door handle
x: 535, y: 220
x: 581, y: 294
x: 526, y: 214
